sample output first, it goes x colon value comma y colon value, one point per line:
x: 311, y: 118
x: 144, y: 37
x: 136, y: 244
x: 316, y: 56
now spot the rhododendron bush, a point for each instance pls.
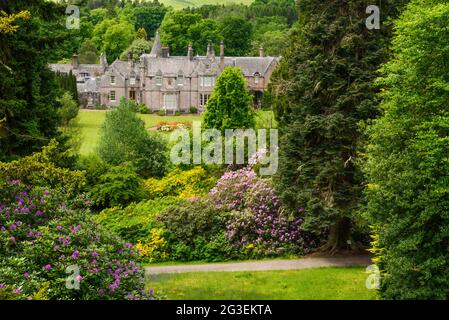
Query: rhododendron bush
x: 45, y: 239
x: 258, y: 226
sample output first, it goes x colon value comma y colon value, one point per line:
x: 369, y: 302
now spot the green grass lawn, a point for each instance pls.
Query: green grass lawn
x: 341, y: 283
x: 89, y: 123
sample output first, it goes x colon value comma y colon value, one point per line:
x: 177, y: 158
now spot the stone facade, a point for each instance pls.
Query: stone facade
x: 163, y: 82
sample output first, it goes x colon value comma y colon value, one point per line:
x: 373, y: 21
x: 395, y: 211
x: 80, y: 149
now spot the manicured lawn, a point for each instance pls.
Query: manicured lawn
x: 341, y: 283
x: 89, y: 123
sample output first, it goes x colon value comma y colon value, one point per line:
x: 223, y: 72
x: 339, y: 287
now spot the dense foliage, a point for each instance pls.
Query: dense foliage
x: 183, y: 184
x: 407, y: 166
x: 43, y: 234
x: 124, y: 138
x: 229, y: 106
x: 321, y: 91
x: 28, y: 106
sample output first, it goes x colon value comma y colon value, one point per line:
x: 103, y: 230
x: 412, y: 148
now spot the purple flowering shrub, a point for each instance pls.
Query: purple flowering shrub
x: 257, y: 227
x: 45, y: 239
x: 229, y: 192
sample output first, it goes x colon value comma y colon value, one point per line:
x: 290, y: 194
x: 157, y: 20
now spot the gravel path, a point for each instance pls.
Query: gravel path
x: 296, y: 264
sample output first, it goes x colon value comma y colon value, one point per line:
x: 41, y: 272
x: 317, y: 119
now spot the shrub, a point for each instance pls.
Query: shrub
x: 39, y: 169
x: 177, y: 113
x: 229, y: 192
x: 93, y: 167
x: 257, y: 227
x: 161, y: 113
x: 135, y: 222
x: 124, y: 138
x: 69, y: 108
x: 183, y: 184
x: 193, y: 110
x: 120, y: 185
x: 193, y: 231
x: 144, y: 109
x: 43, y: 233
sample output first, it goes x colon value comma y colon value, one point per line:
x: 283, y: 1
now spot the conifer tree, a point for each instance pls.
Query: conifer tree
x: 229, y: 107
x: 321, y: 91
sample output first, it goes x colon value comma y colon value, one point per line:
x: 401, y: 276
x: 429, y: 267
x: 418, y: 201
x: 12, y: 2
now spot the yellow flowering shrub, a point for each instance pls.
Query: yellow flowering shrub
x: 153, y: 248
x: 183, y: 184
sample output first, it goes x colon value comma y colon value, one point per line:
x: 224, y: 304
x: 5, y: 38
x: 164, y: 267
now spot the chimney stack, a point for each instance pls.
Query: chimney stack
x: 210, y: 50
x: 75, y: 61
x: 103, y: 61
x: 222, y: 48
x: 190, y: 52
x: 130, y: 59
x: 165, y: 52
x: 261, y: 52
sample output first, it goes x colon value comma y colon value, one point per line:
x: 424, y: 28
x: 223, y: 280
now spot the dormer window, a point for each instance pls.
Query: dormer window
x: 256, y: 78
x: 132, y: 80
x: 112, y: 79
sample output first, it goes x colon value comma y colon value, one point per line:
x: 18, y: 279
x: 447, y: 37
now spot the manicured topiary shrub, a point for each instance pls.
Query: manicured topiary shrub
x: 45, y: 237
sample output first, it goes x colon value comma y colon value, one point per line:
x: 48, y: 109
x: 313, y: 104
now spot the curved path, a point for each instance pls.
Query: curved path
x: 296, y: 264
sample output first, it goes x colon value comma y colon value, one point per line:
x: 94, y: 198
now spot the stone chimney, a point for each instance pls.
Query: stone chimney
x: 190, y: 52
x: 103, y: 61
x: 222, y: 49
x: 261, y: 52
x: 165, y: 52
x: 130, y: 60
x: 210, y: 50
x: 75, y: 61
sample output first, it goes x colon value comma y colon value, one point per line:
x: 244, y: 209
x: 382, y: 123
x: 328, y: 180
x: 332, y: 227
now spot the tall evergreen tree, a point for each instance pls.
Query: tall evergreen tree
x: 321, y: 91
x: 28, y: 107
x: 407, y: 167
x: 229, y: 107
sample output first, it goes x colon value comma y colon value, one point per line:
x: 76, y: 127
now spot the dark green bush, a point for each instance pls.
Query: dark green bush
x: 119, y: 186
x: 193, y: 110
x: 194, y: 231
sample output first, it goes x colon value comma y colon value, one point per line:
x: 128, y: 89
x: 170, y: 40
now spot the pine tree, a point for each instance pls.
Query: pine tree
x: 321, y: 91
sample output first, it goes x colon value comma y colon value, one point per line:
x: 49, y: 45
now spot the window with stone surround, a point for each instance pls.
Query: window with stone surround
x: 207, y: 81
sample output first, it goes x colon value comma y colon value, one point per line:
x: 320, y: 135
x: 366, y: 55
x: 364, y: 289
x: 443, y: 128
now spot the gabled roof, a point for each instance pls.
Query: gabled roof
x: 251, y: 65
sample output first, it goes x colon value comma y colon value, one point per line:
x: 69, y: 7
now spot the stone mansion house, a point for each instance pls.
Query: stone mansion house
x: 164, y: 82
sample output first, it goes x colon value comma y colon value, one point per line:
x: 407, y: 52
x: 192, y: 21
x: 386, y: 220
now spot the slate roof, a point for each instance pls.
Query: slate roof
x: 92, y: 69
x: 90, y: 85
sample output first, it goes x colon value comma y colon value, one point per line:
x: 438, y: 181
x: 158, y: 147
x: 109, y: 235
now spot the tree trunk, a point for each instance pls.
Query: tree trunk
x: 340, y: 238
